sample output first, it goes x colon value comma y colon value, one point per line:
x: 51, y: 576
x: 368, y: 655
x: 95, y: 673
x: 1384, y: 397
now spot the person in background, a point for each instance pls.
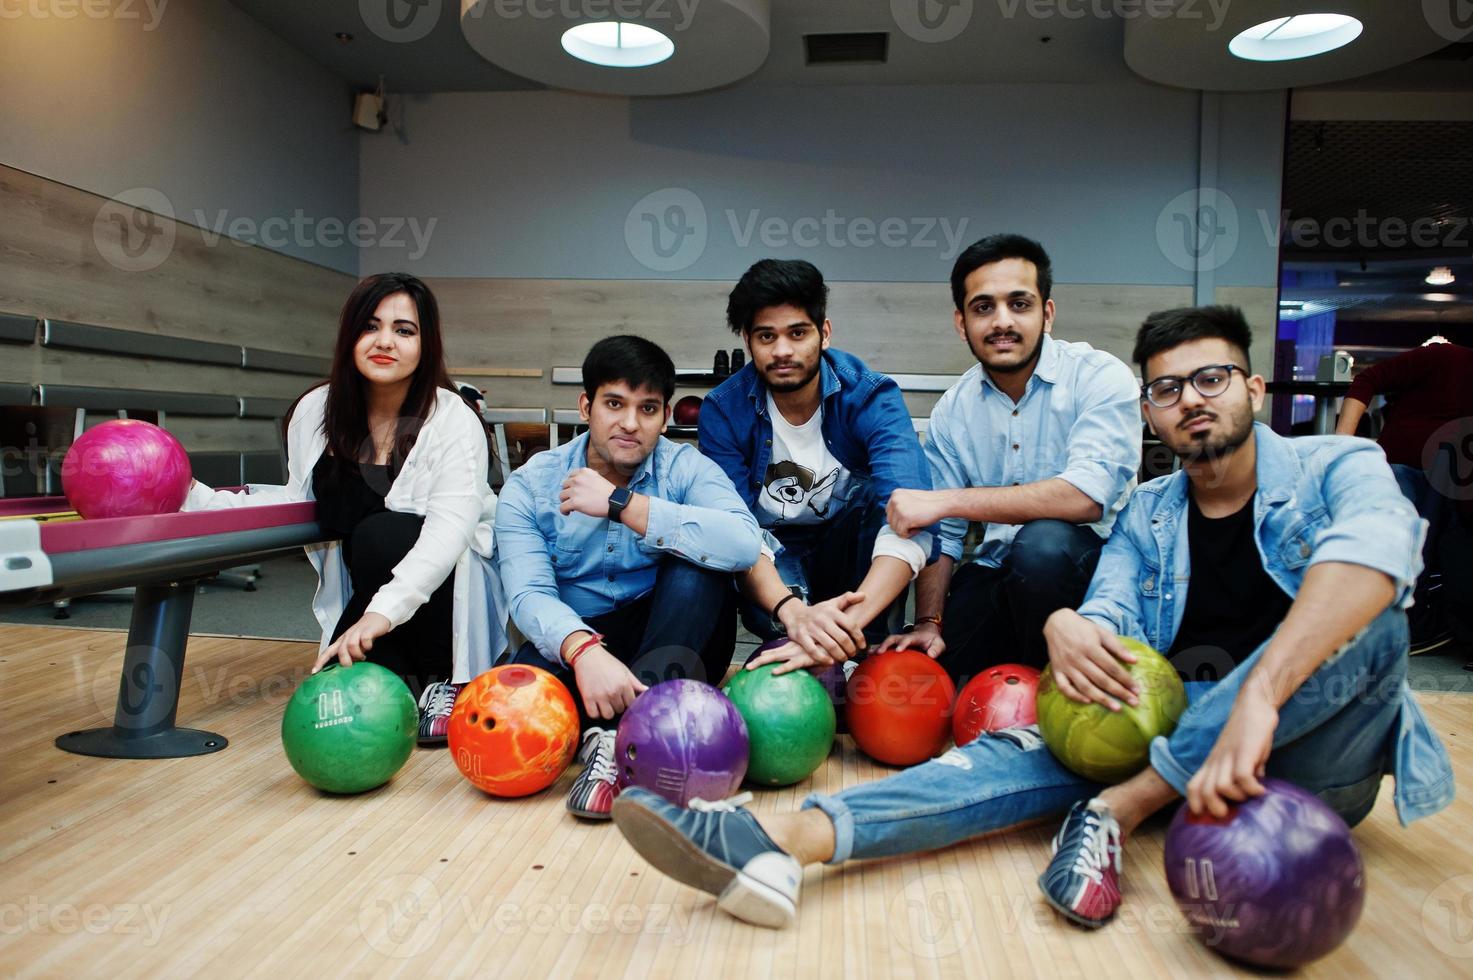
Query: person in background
x: 618, y: 551
x: 815, y: 442
x: 397, y: 462
x: 1428, y: 439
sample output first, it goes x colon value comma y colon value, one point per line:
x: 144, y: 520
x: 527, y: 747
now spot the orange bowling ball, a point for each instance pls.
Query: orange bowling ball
x: 514, y: 730
x: 899, y: 707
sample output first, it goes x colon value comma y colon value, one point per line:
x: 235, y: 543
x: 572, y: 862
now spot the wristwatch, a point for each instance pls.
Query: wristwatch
x: 618, y: 500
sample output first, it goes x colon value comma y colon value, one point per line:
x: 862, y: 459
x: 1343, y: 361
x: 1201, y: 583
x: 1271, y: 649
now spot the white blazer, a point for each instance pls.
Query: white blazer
x: 443, y: 480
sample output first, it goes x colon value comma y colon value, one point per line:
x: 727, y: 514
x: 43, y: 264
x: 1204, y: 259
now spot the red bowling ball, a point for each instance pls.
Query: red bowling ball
x: 687, y: 411
x: 125, y: 468
x: 1005, y: 696
x: 899, y: 707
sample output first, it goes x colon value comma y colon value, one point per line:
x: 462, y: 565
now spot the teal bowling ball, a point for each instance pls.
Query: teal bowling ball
x: 349, y: 729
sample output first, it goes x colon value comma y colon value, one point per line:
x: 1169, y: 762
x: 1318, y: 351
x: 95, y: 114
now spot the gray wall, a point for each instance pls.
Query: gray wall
x: 556, y: 185
x: 189, y: 105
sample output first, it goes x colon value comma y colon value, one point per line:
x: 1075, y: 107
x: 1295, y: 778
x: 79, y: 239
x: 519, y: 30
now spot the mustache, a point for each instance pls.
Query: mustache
x: 1200, y: 413
x: 994, y: 338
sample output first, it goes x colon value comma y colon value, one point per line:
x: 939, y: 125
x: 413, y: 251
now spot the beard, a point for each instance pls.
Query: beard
x: 1213, y: 444
x: 1024, y: 364
x: 795, y: 385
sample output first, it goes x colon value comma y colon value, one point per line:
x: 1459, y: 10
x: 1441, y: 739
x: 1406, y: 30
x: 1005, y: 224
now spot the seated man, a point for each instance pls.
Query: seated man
x: 815, y: 442
x: 1300, y: 556
x: 1040, y: 441
x: 617, y: 552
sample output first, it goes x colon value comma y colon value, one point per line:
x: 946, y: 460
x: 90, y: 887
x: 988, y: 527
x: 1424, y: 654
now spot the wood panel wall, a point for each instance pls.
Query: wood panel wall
x: 58, y: 260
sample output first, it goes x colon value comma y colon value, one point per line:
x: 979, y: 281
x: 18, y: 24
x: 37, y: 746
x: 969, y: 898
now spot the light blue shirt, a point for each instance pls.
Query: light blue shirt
x: 560, y: 568
x: 1079, y: 421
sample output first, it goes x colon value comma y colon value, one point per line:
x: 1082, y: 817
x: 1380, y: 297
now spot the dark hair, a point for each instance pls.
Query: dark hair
x: 776, y: 282
x: 640, y: 363
x: 345, y: 421
x: 995, y: 248
x: 1170, y: 328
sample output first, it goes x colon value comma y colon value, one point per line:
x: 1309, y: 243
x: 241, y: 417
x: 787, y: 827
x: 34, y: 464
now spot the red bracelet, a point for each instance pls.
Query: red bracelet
x: 583, y: 647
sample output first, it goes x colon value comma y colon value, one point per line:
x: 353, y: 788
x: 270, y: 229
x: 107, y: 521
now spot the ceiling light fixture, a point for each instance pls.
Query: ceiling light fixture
x: 616, y: 44
x: 1440, y: 276
x: 1296, y: 36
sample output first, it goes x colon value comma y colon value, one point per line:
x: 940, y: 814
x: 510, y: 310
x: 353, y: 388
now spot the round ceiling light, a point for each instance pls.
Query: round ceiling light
x: 1296, y: 36
x: 615, y: 44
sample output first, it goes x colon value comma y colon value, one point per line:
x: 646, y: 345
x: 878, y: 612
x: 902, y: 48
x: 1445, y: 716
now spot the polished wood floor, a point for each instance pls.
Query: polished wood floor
x: 229, y: 865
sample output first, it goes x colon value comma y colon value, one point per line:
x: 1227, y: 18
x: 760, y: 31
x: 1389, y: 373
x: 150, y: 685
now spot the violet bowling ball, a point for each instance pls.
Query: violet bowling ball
x: 684, y: 740
x: 1277, y: 883
x: 125, y: 468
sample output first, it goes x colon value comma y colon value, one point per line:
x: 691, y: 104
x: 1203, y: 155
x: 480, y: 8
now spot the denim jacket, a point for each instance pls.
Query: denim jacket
x: 865, y: 425
x: 1328, y: 498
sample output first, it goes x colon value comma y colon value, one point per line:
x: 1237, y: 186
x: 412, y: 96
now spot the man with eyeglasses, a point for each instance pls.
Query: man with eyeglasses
x: 1314, y: 691
x: 1039, y: 442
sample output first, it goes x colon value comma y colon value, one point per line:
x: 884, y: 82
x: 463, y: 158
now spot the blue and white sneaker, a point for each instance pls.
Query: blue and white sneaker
x: 1082, y: 882
x: 716, y: 847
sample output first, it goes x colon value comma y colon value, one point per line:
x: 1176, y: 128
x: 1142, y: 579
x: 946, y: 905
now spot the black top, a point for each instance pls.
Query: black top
x: 1233, y: 605
x: 346, y: 495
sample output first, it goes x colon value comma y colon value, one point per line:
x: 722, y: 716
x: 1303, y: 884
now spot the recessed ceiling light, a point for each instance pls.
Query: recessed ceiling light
x: 1440, y: 297
x: 1296, y: 36
x: 615, y: 44
x: 1441, y: 276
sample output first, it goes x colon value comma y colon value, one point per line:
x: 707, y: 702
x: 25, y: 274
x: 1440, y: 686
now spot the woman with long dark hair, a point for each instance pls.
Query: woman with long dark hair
x: 397, y: 462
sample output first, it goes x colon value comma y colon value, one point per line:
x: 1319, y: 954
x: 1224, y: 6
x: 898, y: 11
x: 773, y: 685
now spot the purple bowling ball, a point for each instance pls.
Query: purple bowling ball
x: 682, y: 739
x: 1278, y: 883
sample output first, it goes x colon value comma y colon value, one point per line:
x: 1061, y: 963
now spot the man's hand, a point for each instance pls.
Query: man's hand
x: 827, y: 632
x: 1087, y: 661
x: 355, y: 642
x: 586, y: 492
x: 790, y: 656
x: 608, y: 687
x: 926, y: 637
x: 1236, y: 763
x: 910, y: 511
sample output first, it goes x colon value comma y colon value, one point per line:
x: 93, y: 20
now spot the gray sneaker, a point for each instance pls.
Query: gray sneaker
x: 716, y: 847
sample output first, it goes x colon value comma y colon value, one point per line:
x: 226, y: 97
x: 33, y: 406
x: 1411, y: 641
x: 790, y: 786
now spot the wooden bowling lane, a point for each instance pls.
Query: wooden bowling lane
x: 229, y: 865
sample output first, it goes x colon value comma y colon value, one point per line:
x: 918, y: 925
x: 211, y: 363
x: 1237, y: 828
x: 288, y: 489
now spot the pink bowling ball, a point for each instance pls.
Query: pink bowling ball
x: 125, y: 468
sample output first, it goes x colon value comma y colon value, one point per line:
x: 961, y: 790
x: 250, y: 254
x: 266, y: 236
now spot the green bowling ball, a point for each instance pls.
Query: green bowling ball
x: 790, y: 723
x: 349, y: 729
x: 1108, y: 746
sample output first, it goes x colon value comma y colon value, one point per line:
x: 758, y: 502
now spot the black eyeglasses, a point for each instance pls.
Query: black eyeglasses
x: 1210, y: 381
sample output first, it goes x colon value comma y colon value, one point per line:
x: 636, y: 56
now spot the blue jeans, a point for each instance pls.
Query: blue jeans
x: 684, y: 627
x: 995, y: 615
x: 1335, y: 738
x: 820, y: 561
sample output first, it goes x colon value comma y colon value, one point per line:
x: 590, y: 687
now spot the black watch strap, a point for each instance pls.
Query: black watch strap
x: 618, y: 500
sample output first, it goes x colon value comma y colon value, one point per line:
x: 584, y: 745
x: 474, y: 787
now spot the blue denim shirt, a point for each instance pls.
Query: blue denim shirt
x: 1324, y: 498
x: 865, y: 425
x: 1079, y: 420
x: 559, y: 568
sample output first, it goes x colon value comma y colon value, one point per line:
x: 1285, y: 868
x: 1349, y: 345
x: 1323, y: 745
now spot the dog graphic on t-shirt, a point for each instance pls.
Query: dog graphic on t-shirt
x: 795, y: 487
